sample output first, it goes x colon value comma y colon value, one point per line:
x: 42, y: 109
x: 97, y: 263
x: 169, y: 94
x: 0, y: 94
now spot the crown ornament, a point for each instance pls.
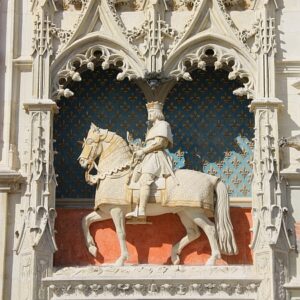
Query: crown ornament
x: 154, y: 105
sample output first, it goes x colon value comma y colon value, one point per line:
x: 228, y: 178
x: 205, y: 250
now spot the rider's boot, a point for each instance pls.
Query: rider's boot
x: 139, y: 211
x: 144, y: 196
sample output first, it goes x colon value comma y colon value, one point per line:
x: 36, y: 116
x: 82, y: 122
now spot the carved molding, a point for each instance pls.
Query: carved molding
x: 228, y: 3
x: 222, y: 5
x: 219, y: 58
x: 151, y: 53
x: 157, y: 282
x: 159, y: 290
x: 10, y: 181
x: 265, y: 39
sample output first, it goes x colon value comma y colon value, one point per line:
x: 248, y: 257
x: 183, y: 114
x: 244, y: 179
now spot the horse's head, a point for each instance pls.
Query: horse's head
x: 92, y: 146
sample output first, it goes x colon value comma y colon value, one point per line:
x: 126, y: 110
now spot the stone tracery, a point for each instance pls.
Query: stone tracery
x: 254, y: 64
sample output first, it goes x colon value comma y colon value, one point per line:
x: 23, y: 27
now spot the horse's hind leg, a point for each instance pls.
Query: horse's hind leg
x: 118, y: 216
x: 86, y: 222
x: 209, y: 228
x: 192, y: 233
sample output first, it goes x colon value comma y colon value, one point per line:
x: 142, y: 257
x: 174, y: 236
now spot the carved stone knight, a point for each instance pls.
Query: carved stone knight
x: 154, y: 160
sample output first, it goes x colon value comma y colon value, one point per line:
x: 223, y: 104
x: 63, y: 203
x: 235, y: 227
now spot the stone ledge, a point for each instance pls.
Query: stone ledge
x: 294, y: 284
x: 154, y: 282
x: 10, y: 180
x: 293, y: 172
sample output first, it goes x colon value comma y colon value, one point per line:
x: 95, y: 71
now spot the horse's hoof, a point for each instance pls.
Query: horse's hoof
x: 211, y: 261
x: 93, y: 250
x: 120, y: 262
x: 175, y: 259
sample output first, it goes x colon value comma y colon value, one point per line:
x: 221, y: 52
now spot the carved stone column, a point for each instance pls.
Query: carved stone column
x: 270, y: 236
x: 35, y: 242
x: 35, y: 238
x: 270, y: 242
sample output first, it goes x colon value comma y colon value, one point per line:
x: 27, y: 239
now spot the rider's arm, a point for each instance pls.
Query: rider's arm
x: 159, y: 143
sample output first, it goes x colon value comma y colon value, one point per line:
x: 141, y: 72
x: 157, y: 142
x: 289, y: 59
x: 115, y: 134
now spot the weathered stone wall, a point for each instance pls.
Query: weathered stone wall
x: 39, y: 43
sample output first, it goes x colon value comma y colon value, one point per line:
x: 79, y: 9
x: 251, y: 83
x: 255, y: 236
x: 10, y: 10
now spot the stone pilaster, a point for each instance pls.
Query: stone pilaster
x: 270, y: 243
x: 35, y: 242
x: 9, y: 182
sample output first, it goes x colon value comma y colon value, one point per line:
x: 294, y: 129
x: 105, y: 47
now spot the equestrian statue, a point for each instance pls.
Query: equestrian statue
x: 137, y: 180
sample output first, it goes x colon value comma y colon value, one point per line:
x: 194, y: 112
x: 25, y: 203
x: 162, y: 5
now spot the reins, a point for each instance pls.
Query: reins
x: 114, y: 141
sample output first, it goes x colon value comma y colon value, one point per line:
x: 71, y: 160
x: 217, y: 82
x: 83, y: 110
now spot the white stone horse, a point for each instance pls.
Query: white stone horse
x: 111, y: 201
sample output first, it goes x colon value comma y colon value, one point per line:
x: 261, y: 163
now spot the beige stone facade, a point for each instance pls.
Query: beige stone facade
x: 47, y: 44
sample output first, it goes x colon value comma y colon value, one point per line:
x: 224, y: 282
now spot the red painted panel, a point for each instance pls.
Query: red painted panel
x: 146, y: 243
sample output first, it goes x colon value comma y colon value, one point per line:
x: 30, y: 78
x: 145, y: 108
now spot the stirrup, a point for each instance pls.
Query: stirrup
x: 138, y: 220
x: 132, y: 214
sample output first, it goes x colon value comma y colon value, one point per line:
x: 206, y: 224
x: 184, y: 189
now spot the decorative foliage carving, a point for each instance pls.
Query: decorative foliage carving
x: 189, y: 3
x: 222, y: 5
x: 156, y: 290
x: 264, y: 30
x: 269, y: 218
x: 112, y: 6
x: 42, y: 37
x: 62, y: 34
x: 40, y: 172
x: 78, y: 2
x: 209, y: 54
x: 144, y: 29
x: 93, y: 56
x: 153, y: 32
x: 154, y: 282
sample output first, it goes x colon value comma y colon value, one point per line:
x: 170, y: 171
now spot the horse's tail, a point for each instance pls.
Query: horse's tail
x: 223, y: 223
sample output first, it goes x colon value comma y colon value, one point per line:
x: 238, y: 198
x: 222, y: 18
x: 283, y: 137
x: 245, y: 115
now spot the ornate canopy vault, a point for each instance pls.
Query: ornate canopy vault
x: 154, y: 43
x: 155, y: 50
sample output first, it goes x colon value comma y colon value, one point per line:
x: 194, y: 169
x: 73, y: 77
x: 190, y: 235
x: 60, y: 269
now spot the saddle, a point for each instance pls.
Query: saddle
x: 157, y: 191
x: 158, y: 184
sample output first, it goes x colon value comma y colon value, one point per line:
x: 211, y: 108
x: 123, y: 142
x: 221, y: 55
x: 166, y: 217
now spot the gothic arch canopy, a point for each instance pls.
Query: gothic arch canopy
x: 101, y: 36
x: 214, y: 50
x: 162, y: 41
x: 85, y: 54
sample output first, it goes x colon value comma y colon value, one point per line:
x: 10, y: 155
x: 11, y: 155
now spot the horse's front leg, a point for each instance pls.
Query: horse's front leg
x: 86, y: 222
x: 118, y: 216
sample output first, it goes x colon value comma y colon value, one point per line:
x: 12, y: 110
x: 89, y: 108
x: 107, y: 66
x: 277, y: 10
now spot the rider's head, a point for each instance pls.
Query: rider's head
x: 155, y: 111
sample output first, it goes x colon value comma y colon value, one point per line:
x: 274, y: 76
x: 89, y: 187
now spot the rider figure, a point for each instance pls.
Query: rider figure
x: 155, y: 162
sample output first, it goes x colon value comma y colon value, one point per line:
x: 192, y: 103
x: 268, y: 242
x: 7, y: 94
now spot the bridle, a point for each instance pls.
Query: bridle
x: 90, y: 148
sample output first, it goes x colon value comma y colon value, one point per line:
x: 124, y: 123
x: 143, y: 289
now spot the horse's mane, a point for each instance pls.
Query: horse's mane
x: 117, y: 156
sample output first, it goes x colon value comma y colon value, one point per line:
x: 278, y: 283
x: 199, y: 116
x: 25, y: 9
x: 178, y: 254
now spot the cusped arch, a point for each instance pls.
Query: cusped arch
x: 212, y: 49
x: 89, y: 52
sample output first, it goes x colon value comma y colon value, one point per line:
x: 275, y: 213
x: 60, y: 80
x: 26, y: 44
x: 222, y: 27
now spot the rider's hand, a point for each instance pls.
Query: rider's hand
x: 139, y: 153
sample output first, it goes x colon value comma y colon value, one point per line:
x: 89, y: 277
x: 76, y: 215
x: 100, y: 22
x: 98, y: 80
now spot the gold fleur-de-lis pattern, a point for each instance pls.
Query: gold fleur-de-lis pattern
x: 214, y: 127
x: 211, y: 126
